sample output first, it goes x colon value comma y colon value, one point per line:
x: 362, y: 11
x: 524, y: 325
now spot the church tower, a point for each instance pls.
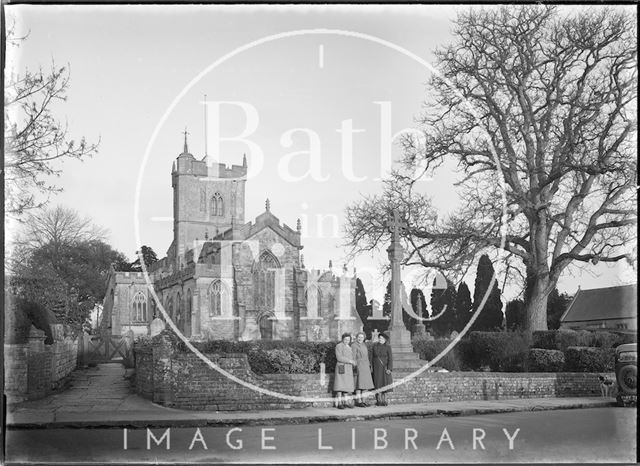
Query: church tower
x: 208, y: 198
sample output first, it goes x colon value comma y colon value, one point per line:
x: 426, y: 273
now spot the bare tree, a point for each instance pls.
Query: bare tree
x: 553, y: 96
x: 34, y: 139
x: 55, y: 228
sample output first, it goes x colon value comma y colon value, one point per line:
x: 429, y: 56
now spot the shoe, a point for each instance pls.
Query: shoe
x: 340, y: 406
x: 349, y: 406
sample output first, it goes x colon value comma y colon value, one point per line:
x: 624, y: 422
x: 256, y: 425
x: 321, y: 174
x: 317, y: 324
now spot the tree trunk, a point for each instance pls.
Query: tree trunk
x: 535, y: 302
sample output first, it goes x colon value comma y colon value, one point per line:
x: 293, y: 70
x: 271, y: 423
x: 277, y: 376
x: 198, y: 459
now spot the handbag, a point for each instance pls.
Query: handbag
x: 341, y: 369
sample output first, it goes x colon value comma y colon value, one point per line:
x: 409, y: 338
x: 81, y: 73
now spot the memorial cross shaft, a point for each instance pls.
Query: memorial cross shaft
x: 396, y: 254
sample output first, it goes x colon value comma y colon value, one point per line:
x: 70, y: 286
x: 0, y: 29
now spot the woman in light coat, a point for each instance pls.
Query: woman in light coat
x: 343, y: 381
x: 363, y: 380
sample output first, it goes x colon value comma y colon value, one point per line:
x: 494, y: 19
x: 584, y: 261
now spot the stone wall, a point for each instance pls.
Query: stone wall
x: 182, y: 380
x: 33, y: 370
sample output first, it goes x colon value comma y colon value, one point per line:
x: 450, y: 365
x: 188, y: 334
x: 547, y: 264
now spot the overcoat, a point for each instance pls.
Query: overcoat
x: 363, y: 373
x: 381, y: 359
x: 344, y: 382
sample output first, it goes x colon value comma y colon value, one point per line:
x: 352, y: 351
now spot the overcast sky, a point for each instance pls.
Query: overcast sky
x: 130, y: 63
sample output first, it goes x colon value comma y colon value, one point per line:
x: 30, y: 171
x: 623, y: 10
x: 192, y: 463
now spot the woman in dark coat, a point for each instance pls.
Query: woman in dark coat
x: 343, y: 381
x: 382, y: 361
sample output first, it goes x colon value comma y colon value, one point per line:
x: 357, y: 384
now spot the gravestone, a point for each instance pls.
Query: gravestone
x: 157, y: 326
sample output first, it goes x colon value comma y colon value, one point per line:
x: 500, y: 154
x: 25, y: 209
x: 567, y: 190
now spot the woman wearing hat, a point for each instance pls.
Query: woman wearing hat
x: 363, y: 368
x: 382, y: 361
x: 343, y: 381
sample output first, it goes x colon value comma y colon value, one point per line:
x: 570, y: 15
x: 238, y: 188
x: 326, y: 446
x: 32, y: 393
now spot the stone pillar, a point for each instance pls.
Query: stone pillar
x: 403, y: 355
x: 162, y: 376
x: 400, y: 336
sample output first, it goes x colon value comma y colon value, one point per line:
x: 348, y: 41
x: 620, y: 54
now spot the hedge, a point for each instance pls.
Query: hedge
x: 429, y: 349
x: 563, y: 339
x: 589, y: 359
x: 545, y: 360
x: 501, y: 351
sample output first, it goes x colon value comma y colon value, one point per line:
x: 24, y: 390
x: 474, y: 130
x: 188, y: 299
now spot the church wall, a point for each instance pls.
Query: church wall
x: 329, y: 324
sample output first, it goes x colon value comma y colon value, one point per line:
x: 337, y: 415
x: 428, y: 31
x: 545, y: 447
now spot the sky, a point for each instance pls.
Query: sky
x: 139, y: 74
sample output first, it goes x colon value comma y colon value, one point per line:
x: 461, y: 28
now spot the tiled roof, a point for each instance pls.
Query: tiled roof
x: 616, y: 302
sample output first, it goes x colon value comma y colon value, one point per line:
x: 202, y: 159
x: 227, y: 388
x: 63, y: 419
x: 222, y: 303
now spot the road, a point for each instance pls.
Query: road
x: 579, y: 435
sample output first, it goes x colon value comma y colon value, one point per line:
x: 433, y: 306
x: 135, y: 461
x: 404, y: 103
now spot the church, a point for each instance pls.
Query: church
x: 224, y: 278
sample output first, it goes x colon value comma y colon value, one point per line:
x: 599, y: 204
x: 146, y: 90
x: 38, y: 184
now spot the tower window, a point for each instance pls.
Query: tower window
x: 217, y: 205
x: 203, y: 200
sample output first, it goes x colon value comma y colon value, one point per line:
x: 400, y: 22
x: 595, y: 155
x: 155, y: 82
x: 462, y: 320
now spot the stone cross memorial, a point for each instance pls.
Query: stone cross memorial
x: 403, y: 356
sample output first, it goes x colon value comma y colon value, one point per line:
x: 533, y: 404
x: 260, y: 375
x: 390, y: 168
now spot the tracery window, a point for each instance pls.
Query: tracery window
x: 264, y: 281
x: 217, y: 205
x: 216, y: 293
x: 139, y: 307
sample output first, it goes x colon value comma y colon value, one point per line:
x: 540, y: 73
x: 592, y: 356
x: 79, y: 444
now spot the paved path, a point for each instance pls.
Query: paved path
x: 102, y: 397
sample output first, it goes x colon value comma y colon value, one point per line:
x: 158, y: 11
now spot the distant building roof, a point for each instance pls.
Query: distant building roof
x: 616, y: 302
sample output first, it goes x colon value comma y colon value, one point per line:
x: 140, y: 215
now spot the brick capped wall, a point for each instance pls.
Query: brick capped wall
x: 35, y: 369
x: 182, y: 380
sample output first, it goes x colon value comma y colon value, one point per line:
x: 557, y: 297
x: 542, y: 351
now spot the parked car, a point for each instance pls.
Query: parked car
x: 627, y: 374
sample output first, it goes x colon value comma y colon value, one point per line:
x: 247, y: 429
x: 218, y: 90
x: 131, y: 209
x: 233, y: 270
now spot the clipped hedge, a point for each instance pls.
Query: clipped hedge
x: 589, y: 359
x: 429, y: 349
x: 561, y: 339
x: 545, y: 360
x: 501, y: 351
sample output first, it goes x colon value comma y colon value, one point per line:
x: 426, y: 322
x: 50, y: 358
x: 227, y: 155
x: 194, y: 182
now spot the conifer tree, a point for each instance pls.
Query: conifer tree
x: 491, y: 316
x: 463, y: 306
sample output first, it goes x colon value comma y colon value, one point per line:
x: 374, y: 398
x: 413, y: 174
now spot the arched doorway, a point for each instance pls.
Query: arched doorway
x: 265, y: 324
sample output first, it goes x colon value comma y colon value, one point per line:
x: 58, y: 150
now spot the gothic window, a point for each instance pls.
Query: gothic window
x: 139, y: 307
x: 216, y: 295
x: 331, y: 302
x: 217, y: 205
x: 169, y: 308
x: 264, y: 281
x: 187, y: 316
x: 309, y: 294
x: 178, y: 318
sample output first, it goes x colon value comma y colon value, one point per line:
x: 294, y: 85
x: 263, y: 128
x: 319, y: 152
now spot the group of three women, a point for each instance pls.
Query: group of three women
x: 360, y: 367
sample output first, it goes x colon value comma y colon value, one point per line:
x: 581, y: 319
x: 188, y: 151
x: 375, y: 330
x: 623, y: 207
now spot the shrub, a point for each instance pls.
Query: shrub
x: 603, y: 339
x: 561, y: 339
x: 273, y: 356
x: 501, y: 351
x: 623, y: 338
x: 589, y: 359
x: 429, y: 349
x: 545, y: 360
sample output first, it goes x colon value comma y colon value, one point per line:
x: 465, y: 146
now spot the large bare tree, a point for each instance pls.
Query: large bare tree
x: 545, y: 100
